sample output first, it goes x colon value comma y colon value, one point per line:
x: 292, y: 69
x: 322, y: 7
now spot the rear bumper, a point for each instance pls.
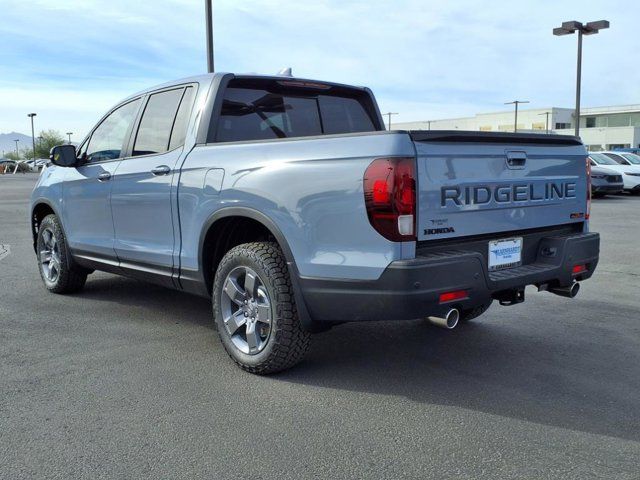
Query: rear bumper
x: 411, y: 289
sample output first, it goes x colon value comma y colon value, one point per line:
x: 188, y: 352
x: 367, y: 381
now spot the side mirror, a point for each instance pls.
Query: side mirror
x: 64, y: 156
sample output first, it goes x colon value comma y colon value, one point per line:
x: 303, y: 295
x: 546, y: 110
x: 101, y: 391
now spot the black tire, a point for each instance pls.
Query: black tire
x: 286, y: 343
x: 470, y: 314
x: 69, y: 278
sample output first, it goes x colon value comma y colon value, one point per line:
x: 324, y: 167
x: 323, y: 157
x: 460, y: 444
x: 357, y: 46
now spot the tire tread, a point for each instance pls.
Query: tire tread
x: 72, y: 278
x: 291, y: 342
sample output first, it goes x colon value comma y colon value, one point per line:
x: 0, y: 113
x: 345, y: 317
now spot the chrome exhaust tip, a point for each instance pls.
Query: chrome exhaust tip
x: 449, y: 321
x: 569, y: 292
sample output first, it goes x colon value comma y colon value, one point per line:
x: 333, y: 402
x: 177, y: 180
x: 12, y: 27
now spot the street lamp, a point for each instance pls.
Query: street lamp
x: 569, y: 28
x: 69, y: 135
x: 547, y: 120
x: 516, y: 103
x: 33, y: 134
x: 388, y: 114
x: 208, y: 8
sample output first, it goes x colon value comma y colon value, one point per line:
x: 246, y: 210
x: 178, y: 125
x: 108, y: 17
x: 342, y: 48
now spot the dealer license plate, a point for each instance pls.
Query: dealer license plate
x: 505, y: 253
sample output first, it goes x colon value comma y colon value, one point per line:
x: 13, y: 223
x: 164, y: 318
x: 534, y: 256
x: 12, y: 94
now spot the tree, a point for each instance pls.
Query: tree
x: 46, y: 141
x: 11, y: 156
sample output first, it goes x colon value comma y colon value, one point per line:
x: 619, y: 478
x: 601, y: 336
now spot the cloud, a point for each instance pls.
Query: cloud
x: 70, y: 59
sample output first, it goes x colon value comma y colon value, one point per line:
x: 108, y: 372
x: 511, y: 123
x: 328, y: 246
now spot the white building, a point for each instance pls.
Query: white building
x: 601, y: 128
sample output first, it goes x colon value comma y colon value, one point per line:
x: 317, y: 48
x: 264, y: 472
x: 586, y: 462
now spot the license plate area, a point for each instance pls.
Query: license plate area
x: 504, y: 253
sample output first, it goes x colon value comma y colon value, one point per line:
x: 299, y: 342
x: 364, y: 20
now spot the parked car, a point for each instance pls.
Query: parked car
x: 10, y: 166
x: 605, y: 180
x: 7, y: 166
x: 36, y: 165
x: 286, y: 202
x: 630, y: 173
x: 624, y: 158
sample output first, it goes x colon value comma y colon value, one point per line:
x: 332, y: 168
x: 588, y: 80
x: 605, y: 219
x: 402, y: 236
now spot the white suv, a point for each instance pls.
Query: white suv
x: 614, y: 161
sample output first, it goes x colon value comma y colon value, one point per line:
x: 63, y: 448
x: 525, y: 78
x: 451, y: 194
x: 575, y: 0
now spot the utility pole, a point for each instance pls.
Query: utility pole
x: 69, y: 135
x: 428, y: 124
x: 547, y: 120
x: 516, y: 103
x: 33, y: 134
x: 208, y: 7
x: 569, y: 28
x: 388, y: 114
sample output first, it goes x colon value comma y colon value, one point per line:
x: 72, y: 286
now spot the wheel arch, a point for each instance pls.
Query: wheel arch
x: 267, y: 227
x: 40, y: 209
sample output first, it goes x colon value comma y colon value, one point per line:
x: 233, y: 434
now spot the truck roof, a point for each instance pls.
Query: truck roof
x: 208, y: 78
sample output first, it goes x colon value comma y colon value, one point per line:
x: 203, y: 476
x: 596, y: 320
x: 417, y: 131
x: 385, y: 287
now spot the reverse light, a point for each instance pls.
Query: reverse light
x: 390, y: 197
x: 455, y: 295
x: 579, y: 269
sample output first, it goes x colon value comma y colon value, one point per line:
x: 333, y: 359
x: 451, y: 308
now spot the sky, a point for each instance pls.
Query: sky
x: 71, y: 60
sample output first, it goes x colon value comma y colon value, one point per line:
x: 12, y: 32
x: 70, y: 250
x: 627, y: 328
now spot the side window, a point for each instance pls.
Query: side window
x: 179, y: 131
x: 157, y: 121
x: 107, y: 139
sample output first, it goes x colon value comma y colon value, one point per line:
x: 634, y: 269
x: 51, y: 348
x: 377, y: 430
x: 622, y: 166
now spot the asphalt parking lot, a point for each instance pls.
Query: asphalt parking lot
x: 128, y: 380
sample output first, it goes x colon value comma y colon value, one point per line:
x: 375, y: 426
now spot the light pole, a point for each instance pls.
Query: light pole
x: 208, y: 8
x: 388, y: 114
x: 547, y: 120
x: 17, y: 152
x: 69, y: 135
x: 569, y: 28
x: 33, y: 134
x: 428, y: 124
x: 516, y: 103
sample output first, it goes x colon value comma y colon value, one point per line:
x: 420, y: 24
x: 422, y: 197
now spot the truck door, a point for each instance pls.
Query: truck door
x: 87, y: 213
x: 142, y: 186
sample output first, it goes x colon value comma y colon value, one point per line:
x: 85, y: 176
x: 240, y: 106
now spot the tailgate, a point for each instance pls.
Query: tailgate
x: 473, y: 183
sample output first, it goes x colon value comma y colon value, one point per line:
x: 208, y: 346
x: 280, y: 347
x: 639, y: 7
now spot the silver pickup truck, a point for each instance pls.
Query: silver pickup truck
x: 287, y: 203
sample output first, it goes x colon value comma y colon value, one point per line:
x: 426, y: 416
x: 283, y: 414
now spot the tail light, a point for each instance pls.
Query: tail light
x: 390, y: 197
x: 588, y: 213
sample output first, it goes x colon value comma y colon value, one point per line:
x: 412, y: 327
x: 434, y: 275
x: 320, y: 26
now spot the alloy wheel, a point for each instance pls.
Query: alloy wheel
x: 246, y: 310
x: 50, y: 256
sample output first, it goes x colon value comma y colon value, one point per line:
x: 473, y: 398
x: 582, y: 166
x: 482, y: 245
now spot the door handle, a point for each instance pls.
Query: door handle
x: 104, y: 176
x: 516, y: 160
x: 161, y: 170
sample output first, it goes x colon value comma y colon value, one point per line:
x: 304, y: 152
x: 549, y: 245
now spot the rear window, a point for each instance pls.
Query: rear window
x: 269, y: 110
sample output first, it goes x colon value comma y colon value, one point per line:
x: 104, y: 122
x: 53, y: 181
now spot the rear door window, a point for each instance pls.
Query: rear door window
x: 154, y: 132
x: 250, y: 113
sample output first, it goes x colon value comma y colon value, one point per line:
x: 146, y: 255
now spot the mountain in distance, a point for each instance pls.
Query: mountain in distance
x: 8, y: 144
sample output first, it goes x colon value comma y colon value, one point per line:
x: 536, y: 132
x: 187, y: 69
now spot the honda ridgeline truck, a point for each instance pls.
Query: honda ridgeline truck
x: 287, y: 203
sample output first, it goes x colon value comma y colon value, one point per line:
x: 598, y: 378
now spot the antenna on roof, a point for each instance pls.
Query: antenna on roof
x: 286, y: 72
